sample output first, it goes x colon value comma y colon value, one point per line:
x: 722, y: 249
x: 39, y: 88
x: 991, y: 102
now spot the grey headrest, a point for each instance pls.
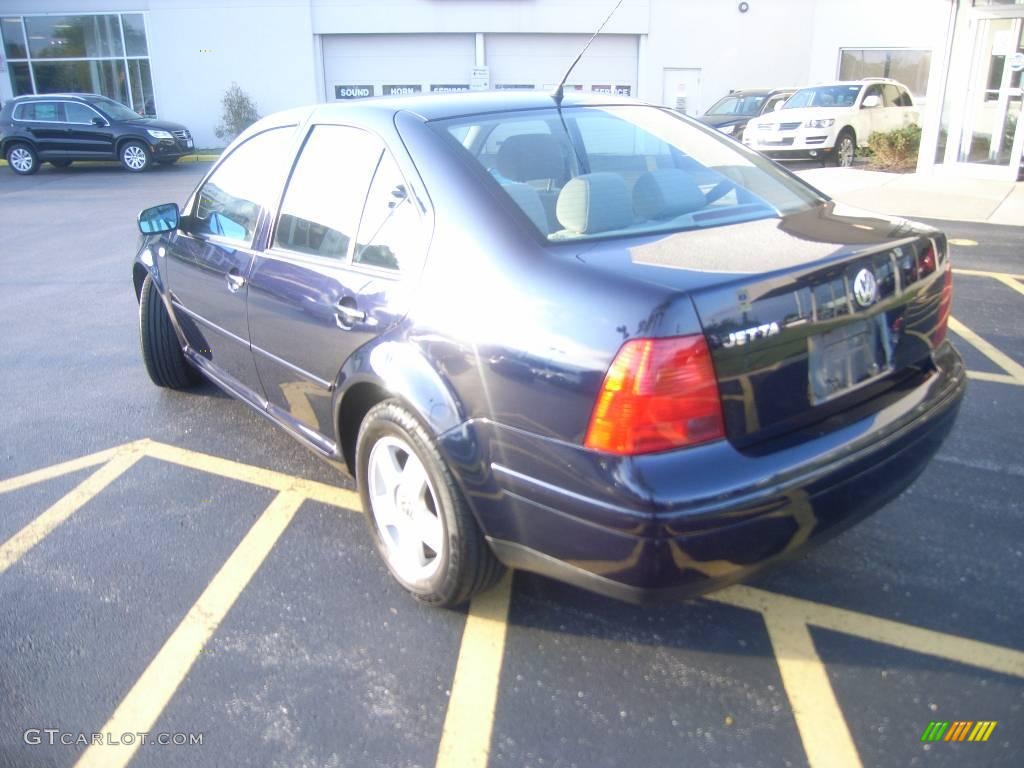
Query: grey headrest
x: 528, y: 200
x: 531, y: 156
x: 665, y: 193
x: 594, y: 202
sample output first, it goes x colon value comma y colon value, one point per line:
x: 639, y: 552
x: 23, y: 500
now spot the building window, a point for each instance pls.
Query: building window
x: 908, y: 66
x: 105, y: 53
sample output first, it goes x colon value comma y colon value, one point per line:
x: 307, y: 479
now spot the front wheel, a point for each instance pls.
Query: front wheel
x: 23, y: 159
x: 161, y: 351
x: 419, y: 521
x: 845, y: 149
x: 135, y: 156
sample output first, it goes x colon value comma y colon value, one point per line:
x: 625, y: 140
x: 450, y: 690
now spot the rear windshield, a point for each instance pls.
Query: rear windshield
x: 586, y: 172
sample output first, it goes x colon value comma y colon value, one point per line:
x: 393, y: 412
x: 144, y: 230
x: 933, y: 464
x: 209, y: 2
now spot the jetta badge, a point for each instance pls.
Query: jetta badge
x: 865, y: 289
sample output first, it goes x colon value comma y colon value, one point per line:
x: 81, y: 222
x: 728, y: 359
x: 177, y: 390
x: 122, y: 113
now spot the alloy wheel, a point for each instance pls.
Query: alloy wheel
x: 405, y: 510
x: 845, y: 152
x: 21, y: 159
x: 135, y: 157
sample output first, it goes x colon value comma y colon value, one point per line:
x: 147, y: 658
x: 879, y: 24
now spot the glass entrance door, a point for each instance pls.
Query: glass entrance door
x: 990, y: 134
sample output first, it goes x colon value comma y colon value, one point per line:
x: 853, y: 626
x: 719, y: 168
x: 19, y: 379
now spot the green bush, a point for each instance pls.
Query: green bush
x: 895, y: 150
x: 239, y: 112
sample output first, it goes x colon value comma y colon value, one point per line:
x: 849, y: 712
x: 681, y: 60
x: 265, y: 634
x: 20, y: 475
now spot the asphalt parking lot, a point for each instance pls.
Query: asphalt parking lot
x: 172, y: 564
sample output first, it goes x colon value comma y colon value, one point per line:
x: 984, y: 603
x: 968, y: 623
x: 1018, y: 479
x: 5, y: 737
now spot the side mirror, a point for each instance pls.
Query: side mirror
x: 159, y: 218
x: 99, y: 121
x: 779, y: 105
x: 400, y: 195
x: 870, y: 102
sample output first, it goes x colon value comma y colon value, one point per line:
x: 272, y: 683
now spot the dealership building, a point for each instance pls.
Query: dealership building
x: 962, y: 59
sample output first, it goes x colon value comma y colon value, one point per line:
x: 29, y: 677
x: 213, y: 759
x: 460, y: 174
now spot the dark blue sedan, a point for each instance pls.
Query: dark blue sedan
x: 591, y: 339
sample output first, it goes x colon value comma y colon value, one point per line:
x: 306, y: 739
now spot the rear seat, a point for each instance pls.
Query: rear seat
x: 536, y: 157
x: 594, y: 202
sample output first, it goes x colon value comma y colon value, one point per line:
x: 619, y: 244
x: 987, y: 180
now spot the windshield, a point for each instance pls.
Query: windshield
x: 114, y: 109
x: 608, y: 171
x: 737, y: 105
x: 824, y: 96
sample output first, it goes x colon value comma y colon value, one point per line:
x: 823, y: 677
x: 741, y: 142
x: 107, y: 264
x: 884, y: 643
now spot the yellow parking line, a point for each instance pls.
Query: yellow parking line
x: 466, y: 738
x: 15, y: 547
x: 979, y: 273
x: 1000, y: 378
x: 144, y: 703
x: 247, y: 473
x: 1004, y: 361
x: 1011, y: 282
x: 962, y: 650
x: 823, y: 730
x: 64, y: 468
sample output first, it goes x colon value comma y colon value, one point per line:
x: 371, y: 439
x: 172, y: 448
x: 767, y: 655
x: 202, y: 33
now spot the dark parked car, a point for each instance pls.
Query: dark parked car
x: 731, y: 113
x: 598, y: 341
x: 60, y: 128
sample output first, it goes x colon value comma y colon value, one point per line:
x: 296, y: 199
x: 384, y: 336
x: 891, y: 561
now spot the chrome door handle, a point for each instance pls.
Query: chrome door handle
x: 351, y: 314
x: 235, y: 281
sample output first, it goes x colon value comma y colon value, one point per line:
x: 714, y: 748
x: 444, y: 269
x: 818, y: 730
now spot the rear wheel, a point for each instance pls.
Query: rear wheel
x: 23, y: 159
x: 60, y: 163
x: 845, y: 149
x: 161, y: 351
x: 419, y: 521
x: 135, y: 156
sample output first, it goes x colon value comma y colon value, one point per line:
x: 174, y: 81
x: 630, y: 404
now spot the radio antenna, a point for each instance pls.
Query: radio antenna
x: 559, y: 92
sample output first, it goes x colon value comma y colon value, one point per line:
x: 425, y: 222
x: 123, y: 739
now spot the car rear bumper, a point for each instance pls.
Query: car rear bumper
x: 682, y: 523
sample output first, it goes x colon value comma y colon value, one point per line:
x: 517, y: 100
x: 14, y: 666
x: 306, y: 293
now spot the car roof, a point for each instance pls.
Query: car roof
x: 759, y: 91
x: 864, y: 81
x: 49, y: 96
x: 436, y: 106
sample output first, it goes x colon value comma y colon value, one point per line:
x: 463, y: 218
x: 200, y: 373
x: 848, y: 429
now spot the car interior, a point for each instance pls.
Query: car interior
x: 593, y: 174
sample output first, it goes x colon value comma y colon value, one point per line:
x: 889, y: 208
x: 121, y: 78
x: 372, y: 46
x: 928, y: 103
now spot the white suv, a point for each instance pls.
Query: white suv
x: 828, y: 121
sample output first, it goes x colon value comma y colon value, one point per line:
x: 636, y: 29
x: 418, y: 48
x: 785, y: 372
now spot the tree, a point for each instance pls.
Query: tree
x: 239, y: 112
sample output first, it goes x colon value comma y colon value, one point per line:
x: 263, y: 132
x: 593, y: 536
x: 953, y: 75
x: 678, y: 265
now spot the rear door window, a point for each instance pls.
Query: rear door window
x: 391, y: 234
x: 326, y: 192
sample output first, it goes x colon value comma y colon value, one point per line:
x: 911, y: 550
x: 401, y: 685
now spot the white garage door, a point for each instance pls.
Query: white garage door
x: 539, y: 61
x: 378, y: 65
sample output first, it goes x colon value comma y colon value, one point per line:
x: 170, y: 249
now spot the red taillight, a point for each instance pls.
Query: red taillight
x: 927, y: 261
x: 658, y: 394
x: 944, y: 305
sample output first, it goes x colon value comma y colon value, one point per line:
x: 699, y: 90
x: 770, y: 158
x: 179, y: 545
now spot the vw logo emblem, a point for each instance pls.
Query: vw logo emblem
x: 865, y: 289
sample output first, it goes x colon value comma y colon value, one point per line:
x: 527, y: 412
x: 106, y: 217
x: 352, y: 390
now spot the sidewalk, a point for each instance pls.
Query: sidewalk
x: 930, y: 197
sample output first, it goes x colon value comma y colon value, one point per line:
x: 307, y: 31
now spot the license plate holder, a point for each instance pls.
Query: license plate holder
x: 848, y: 357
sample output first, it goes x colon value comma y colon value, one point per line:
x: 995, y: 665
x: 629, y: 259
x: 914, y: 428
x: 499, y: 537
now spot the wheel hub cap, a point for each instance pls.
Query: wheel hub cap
x: 21, y: 159
x: 134, y: 157
x: 405, y: 510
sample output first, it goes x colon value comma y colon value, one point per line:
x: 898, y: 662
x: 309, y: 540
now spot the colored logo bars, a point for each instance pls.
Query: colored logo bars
x: 959, y: 730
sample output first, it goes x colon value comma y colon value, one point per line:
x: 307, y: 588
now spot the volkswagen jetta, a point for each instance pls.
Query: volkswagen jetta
x: 588, y: 338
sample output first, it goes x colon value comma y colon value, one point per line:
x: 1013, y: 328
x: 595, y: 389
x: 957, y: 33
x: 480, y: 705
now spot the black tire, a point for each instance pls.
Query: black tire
x: 22, y: 159
x: 61, y: 163
x: 468, y: 566
x: 161, y: 351
x: 845, y: 149
x: 134, y: 156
